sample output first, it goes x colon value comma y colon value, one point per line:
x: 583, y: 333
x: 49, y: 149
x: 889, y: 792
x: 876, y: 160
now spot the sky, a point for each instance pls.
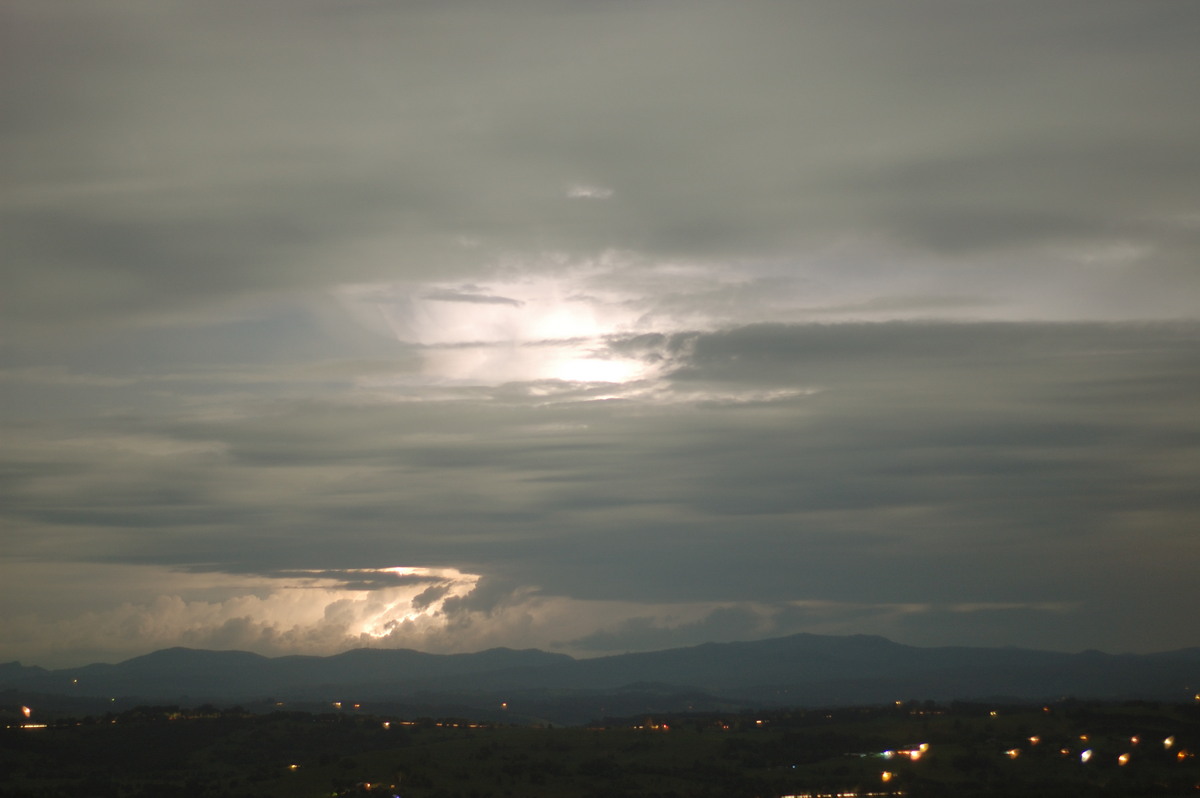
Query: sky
x: 597, y: 326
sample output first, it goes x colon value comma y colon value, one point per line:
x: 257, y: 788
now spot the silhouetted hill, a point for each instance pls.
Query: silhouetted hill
x: 798, y: 670
x: 198, y: 673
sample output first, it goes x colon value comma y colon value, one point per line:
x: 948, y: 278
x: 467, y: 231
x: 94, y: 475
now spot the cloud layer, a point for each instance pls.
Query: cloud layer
x: 651, y: 323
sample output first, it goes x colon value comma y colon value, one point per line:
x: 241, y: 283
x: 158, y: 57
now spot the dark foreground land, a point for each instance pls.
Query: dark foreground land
x: 912, y: 749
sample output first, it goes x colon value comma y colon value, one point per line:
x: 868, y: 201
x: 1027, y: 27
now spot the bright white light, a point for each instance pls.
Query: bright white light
x: 544, y: 321
x: 393, y: 608
x: 594, y: 369
x: 589, y: 192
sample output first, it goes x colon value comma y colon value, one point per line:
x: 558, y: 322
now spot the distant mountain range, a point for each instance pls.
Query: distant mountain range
x: 800, y: 670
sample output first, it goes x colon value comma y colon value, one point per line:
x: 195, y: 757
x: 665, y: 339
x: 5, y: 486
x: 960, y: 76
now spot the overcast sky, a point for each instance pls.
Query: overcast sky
x: 597, y: 326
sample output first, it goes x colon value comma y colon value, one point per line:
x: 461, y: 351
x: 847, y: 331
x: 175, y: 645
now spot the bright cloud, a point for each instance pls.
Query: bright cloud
x: 543, y: 326
x: 431, y: 609
x: 318, y: 612
x: 589, y: 192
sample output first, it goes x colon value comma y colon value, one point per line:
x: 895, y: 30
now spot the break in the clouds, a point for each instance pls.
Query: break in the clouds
x: 597, y: 327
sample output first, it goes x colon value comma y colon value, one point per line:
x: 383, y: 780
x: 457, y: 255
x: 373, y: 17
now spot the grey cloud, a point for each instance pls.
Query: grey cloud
x: 488, y: 595
x: 429, y: 596
x: 1005, y: 431
x: 470, y: 298
x: 199, y: 210
x: 204, y: 174
x: 892, y: 304
x: 354, y: 579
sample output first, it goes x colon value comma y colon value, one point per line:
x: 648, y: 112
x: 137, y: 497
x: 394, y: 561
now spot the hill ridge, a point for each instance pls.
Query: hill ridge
x: 802, y: 669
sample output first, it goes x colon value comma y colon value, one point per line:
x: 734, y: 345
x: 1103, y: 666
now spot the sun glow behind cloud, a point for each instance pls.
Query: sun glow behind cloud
x: 530, y: 324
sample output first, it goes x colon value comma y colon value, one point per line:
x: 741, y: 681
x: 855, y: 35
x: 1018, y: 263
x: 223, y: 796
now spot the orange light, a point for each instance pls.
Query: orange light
x: 1123, y: 760
x: 26, y: 711
x: 887, y: 775
x: 1167, y: 743
x: 1013, y: 753
x: 1134, y: 740
x: 1034, y: 740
